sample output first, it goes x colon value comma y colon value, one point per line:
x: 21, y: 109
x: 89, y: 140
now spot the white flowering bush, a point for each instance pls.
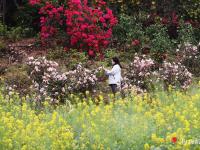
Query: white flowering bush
x: 175, y: 74
x: 48, y: 81
x: 39, y: 67
x: 81, y: 79
x: 139, y: 72
x: 55, y: 86
x: 140, y: 75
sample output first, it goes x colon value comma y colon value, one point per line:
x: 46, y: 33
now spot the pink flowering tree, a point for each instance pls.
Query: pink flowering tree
x: 87, y: 27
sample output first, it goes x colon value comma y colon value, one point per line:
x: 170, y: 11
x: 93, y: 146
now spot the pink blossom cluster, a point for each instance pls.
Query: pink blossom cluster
x: 171, y: 19
x: 175, y: 74
x: 55, y: 83
x: 81, y: 79
x: 34, y: 2
x: 187, y: 50
x: 139, y: 71
x: 10, y: 89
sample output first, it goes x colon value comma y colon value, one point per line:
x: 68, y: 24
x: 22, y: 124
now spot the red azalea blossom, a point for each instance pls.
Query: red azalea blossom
x: 66, y: 49
x: 91, y: 53
x: 175, y: 20
x: 34, y: 2
x: 164, y: 20
x: 135, y: 42
x: 174, y: 139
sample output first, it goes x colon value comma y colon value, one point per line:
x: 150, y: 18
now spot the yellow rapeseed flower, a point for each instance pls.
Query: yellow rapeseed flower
x: 146, y: 146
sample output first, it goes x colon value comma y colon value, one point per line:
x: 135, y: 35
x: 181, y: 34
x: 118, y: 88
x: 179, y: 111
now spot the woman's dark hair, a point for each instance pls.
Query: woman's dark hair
x: 116, y: 61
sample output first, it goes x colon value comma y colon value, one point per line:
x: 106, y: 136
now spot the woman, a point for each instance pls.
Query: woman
x: 114, y: 75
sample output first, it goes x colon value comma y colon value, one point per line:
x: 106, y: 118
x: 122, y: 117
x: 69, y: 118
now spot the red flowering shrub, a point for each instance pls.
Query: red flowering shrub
x: 88, y: 27
x: 171, y: 19
x: 51, y: 20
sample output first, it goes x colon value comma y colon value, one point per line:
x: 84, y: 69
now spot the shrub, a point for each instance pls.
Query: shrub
x: 176, y: 75
x: 40, y: 71
x: 54, y: 86
x: 2, y: 47
x: 197, y: 34
x: 139, y: 72
x: 186, y: 33
x: 187, y: 51
x: 57, y: 53
x: 15, y: 33
x: 87, y: 27
x: 159, y: 39
x: 189, y: 55
x: 81, y: 80
x: 47, y: 81
x: 127, y: 30
x: 191, y: 11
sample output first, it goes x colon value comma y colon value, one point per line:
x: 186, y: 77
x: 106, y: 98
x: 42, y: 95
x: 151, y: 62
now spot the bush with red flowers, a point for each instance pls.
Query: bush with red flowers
x: 88, y: 27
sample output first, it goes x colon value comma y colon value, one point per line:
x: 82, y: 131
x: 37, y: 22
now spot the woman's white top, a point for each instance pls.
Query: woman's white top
x: 114, y: 75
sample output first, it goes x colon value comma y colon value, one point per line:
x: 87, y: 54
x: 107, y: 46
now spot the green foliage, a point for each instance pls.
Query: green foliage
x: 3, y: 29
x: 127, y: 30
x: 17, y: 78
x: 15, y: 33
x: 110, y: 53
x: 2, y: 46
x: 69, y: 58
x: 2, y: 69
x: 186, y: 33
x: 196, y: 34
x: 25, y: 16
x: 186, y: 8
x: 57, y: 53
x: 191, y: 9
x: 159, y: 39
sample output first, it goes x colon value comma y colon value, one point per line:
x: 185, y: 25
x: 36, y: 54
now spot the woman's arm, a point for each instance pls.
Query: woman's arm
x: 112, y: 71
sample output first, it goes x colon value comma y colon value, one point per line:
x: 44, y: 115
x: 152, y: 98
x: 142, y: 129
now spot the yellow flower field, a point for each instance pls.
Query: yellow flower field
x: 158, y: 121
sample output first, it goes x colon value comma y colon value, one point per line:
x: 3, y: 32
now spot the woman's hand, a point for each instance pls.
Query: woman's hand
x: 104, y: 68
